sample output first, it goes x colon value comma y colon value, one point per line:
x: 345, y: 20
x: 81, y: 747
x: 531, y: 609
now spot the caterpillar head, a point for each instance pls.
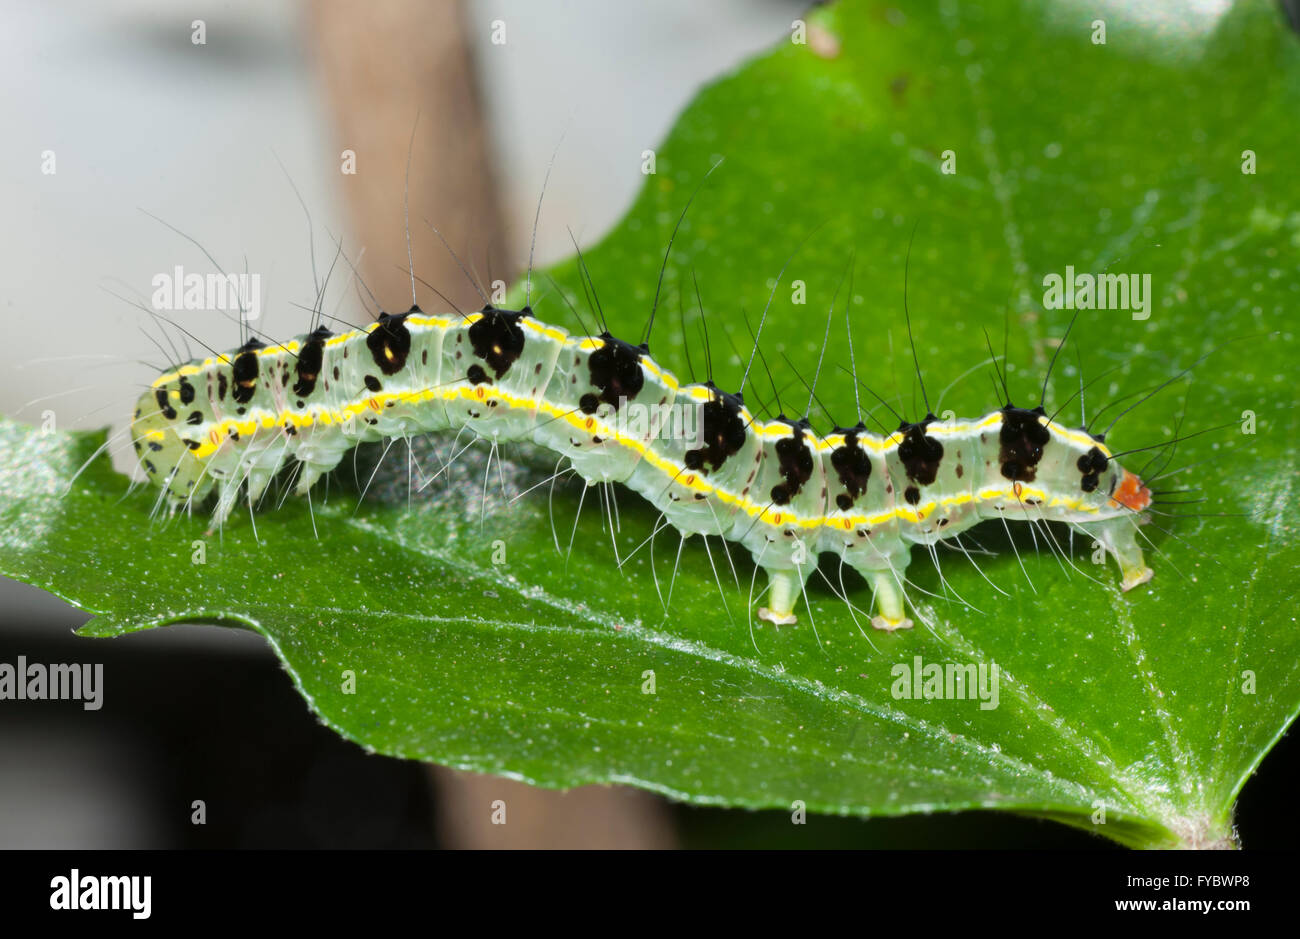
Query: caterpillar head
x: 166, y: 456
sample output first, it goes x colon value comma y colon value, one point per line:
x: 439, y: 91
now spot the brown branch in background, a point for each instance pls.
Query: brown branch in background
x: 588, y: 817
x: 382, y: 62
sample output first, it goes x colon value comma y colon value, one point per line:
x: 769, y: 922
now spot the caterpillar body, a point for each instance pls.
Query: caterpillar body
x: 229, y: 423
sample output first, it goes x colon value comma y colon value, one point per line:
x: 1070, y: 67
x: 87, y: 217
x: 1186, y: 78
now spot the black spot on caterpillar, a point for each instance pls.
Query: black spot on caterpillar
x: 390, y: 343
x: 1022, y: 440
x: 497, y: 339
x: 310, y: 359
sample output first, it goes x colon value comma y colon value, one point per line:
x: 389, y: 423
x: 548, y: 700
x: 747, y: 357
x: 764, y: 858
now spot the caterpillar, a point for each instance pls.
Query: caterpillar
x: 229, y: 423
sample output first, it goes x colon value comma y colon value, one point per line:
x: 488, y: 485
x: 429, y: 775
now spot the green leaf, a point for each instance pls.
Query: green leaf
x: 1154, y: 706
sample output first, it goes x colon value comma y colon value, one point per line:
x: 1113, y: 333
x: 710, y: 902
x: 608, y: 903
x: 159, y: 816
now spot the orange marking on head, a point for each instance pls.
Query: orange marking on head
x: 1131, y: 493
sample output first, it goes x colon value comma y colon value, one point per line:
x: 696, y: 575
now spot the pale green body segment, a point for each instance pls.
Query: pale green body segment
x: 697, y: 454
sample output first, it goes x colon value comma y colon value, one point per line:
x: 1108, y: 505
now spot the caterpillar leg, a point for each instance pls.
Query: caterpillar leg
x: 891, y: 613
x: 1118, y: 536
x: 313, y: 467
x: 307, y: 478
x: 227, y: 495
x: 784, y: 588
x: 258, y: 479
x: 882, y: 563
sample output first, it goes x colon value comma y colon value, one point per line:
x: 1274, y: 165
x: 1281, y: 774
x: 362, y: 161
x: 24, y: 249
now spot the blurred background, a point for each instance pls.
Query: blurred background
x: 219, y: 139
